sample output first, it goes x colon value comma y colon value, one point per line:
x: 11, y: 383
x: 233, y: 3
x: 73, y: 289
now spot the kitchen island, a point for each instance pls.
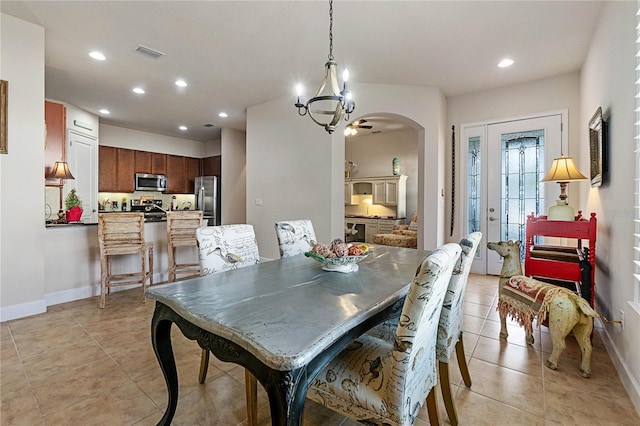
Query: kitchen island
x: 72, y: 260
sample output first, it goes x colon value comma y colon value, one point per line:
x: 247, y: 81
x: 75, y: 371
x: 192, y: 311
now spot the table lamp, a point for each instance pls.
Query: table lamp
x: 563, y: 170
x: 60, y: 170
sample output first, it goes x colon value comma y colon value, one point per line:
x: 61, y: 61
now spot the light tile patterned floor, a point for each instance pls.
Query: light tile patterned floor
x: 78, y: 364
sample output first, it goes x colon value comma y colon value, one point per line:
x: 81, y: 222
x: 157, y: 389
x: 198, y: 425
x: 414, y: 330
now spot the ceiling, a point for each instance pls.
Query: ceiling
x: 235, y: 54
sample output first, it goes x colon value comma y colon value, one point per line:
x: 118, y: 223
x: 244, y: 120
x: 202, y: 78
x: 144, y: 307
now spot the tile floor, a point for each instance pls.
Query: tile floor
x: 80, y: 365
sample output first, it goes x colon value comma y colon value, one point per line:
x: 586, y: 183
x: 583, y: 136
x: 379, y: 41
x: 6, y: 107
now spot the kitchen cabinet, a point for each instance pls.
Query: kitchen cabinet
x: 158, y: 163
x: 176, y: 175
x: 388, y: 191
x: 55, y: 117
x: 211, y: 166
x: 191, y: 170
x: 117, y: 169
x: 143, y: 162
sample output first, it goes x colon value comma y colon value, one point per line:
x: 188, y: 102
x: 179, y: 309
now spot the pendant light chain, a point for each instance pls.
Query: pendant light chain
x: 331, y: 30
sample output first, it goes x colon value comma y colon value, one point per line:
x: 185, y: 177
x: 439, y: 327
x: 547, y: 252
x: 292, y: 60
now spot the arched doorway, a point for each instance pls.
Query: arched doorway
x: 369, y: 153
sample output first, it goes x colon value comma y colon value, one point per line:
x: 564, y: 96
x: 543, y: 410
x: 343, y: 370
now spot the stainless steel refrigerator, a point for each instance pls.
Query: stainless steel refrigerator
x: 207, y: 192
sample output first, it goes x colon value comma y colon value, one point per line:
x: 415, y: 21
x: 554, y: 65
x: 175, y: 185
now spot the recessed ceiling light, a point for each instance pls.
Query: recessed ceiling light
x: 223, y: 115
x: 97, y: 55
x: 105, y: 111
x: 138, y: 90
x: 181, y: 83
x: 182, y: 127
x: 506, y: 62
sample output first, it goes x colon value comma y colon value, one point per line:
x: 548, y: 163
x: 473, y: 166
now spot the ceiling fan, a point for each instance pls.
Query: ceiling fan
x: 359, y: 124
x: 352, y: 128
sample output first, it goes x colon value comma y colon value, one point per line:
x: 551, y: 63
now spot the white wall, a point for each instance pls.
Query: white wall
x: 21, y: 173
x: 373, y: 154
x: 550, y: 94
x: 234, y: 177
x: 121, y: 137
x: 607, y: 80
x: 297, y: 170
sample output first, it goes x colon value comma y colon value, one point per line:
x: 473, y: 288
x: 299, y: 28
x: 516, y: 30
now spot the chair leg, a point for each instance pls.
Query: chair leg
x: 204, y: 366
x: 462, y: 362
x: 432, y: 408
x: 445, y: 386
x: 103, y: 281
x: 251, y: 389
x: 172, y: 269
x: 150, y: 266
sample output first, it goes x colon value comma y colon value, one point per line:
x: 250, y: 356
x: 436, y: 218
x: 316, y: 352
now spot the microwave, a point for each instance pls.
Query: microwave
x: 150, y: 182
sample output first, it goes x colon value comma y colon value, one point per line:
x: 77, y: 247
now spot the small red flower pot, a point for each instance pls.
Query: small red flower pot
x: 74, y: 214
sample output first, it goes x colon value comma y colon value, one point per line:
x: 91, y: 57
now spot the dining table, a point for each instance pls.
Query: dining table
x: 283, y: 320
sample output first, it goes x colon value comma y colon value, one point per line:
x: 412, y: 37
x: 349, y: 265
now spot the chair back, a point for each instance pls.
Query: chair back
x: 413, y: 369
x: 450, y: 324
x: 226, y: 247
x: 295, y: 237
x: 121, y: 233
x: 181, y: 227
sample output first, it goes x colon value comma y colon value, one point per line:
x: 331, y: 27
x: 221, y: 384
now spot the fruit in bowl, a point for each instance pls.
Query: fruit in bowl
x: 339, y: 256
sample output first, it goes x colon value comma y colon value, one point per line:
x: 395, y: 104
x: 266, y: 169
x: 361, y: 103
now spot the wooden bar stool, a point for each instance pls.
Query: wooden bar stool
x: 181, y: 232
x: 123, y: 234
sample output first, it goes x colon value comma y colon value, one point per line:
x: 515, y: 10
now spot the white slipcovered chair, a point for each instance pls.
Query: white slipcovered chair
x: 225, y: 248
x: 295, y: 237
x: 378, y: 381
x: 450, y: 325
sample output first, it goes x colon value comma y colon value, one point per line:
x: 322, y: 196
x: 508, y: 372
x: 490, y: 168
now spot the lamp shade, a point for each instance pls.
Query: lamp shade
x: 563, y: 169
x: 60, y: 170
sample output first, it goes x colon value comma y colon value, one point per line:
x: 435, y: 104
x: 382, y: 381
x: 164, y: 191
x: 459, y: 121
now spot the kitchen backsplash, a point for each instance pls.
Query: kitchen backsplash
x: 52, y: 200
x: 184, y: 201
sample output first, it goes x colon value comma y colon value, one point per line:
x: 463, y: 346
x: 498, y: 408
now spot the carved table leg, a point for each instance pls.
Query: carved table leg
x: 287, y: 392
x: 161, y: 339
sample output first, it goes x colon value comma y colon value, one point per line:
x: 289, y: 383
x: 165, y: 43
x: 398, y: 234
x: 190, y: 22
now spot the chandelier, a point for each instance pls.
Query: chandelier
x: 329, y: 104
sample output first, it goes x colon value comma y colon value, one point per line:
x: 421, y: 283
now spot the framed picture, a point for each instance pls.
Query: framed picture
x: 4, y: 93
x: 596, y: 145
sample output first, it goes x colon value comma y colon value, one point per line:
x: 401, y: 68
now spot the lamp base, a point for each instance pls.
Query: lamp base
x: 561, y: 211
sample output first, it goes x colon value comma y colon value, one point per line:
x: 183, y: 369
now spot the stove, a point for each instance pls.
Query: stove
x: 151, y: 208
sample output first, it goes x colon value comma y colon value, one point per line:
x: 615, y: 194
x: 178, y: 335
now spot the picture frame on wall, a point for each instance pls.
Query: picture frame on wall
x: 596, y: 147
x: 4, y: 95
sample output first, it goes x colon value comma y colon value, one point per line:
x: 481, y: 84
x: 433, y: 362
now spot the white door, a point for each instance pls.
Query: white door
x: 504, y: 163
x: 82, y: 156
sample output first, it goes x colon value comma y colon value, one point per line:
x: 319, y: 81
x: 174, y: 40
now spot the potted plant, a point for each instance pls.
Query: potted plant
x: 73, y: 204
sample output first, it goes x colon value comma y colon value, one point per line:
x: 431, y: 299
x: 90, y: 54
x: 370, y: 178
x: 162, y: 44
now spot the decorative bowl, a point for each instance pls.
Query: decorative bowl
x: 343, y: 264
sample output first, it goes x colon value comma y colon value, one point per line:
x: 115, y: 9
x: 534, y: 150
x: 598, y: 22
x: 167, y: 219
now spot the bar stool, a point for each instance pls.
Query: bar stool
x: 181, y: 232
x: 123, y: 234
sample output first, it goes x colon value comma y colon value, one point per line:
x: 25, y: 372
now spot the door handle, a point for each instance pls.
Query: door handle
x: 491, y: 218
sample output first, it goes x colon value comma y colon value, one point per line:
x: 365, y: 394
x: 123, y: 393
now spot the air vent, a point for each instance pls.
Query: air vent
x: 149, y: 52
x: 208, y: 125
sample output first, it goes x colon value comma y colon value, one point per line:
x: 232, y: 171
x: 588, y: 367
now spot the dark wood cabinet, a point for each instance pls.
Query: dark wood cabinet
x: 55, y: 117
x: 116, y: 171
x: 175, y: 174
x: 191, y: 170
x: 117, y: 167
x: 143, y: 162
x: 108, y: 160
x: 211, y: 166
x: 159, y: 163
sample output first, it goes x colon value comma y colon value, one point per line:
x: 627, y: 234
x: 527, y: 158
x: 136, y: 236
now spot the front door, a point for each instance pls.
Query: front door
x: 504, y: 163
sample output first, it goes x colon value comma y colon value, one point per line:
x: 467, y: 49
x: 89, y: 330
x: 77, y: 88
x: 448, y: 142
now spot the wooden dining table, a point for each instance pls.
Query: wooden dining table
x: 283, y: 320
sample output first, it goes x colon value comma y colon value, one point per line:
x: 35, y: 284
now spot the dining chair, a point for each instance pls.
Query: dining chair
x: 295, y: 237
x: 225, y: 248
x: 181, y: 232
x: 450, y: 324
x: 379, y: 381
x: 123, y: 234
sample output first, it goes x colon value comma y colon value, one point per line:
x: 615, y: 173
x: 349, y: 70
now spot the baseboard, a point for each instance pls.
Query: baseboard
x: 8, y: 313
x: 628, y: 381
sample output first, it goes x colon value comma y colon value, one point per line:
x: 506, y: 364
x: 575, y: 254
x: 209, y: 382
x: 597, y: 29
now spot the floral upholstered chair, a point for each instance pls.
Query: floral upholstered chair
x: 450, y: 326
x: 295, y: 237
x: 225, y: 248
x: 377, y: 381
